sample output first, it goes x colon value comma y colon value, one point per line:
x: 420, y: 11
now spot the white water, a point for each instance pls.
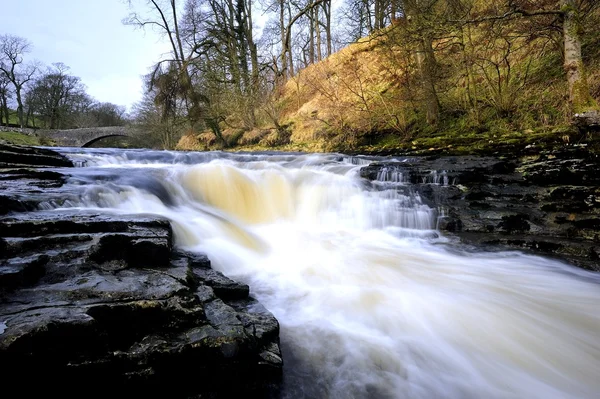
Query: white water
x: 372, y: 302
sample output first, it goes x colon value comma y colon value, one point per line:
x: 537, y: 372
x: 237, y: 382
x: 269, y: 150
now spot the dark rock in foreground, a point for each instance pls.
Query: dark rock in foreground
x: 25, y: 180
x: 102, y: 301
x: 548, y: 203
x: 12, y: 156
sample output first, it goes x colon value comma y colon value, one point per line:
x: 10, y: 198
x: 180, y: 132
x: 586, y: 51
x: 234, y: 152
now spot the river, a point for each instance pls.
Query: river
x: 373, y: 301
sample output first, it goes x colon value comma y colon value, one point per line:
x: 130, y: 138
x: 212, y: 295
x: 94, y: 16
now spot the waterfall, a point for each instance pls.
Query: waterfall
x: 372, y: 301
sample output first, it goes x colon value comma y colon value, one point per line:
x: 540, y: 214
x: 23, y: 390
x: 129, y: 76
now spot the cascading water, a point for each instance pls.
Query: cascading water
x: 372, y: 302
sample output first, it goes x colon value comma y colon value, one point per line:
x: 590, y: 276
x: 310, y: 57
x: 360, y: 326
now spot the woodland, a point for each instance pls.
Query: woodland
x: 353, y: 75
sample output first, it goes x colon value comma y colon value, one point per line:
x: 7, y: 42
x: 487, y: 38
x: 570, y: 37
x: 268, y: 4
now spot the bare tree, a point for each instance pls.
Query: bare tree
x: 5, y: 95
x: 173, y: 73
x: 56, y: 96
x: 570, y: 14
x: 417, y: 14
x: 108, y: 114
x: 12, y: 49
x: 286, y: 34
x: 579, y: 92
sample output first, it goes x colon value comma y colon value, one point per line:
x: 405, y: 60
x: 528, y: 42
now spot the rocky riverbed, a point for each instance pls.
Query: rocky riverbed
x: 104, y: 301
x: 548, y: 203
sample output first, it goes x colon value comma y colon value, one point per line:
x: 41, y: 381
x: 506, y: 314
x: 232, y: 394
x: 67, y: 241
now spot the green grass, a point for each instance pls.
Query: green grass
x: 19, y: 138
x: 13, y: 118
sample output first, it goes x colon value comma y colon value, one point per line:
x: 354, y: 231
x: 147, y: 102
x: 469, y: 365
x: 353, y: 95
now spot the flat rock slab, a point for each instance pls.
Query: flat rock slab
x: 103, y: 301
x: 19, y: 156
x: 25, y: 181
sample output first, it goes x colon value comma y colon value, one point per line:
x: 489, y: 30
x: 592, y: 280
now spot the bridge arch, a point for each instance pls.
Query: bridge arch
x: 92, y: 141
x: 83, y: 137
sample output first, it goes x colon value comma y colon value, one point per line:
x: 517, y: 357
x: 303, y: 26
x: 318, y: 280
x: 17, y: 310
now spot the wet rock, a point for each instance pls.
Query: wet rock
x: 103, y: 300
x: 19, y: 156
x: 8, y: 204
x: 589, y: 120
x: 441, y: 170
x: 515, y: 223
x: 450, y: 224
x: 547, y: 203
x: 24, y: 187
x: 22, y: 271
x: 222, y: 286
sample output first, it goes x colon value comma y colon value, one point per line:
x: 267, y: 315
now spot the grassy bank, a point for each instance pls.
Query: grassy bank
x: 19, y: 139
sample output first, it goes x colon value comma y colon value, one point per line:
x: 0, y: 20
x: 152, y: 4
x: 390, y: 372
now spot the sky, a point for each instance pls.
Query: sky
x: 89, y: 37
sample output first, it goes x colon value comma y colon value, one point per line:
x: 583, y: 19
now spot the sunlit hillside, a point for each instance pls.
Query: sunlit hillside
x: 495, y: 86
x: 356, y: 92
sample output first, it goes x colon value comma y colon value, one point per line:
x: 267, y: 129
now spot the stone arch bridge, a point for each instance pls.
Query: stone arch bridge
x: 83, y: 137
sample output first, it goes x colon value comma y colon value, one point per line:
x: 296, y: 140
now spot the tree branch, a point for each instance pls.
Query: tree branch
x: 509, y: 14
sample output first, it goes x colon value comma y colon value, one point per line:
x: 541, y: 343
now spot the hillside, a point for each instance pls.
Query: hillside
x: 500, y: 89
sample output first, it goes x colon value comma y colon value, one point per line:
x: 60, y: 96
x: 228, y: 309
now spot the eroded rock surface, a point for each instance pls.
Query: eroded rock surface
x: 547, y: 203
x: 12, y: 156
x: 103, y: 301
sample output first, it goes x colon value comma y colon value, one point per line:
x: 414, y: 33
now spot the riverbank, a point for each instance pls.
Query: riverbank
x: 444, y: 142
x: 546, y: 202
x: 18, y: 138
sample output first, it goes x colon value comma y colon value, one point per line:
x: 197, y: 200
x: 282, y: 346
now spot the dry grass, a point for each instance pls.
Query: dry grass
x: 252, y: 137
x: 191, y: 142
x: 351, y: 91
x: 497, y: 85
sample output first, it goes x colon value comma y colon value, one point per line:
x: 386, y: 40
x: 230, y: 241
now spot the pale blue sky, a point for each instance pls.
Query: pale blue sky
x: 88, y: 36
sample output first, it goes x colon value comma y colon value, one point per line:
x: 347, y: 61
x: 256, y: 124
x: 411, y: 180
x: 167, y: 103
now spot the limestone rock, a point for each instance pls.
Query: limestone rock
x: 103, y: 301
x: 548, y: 203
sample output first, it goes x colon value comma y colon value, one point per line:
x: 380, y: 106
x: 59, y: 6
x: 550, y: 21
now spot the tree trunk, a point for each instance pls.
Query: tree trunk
x: 19, y: 106
x: 253, y: 59
x: 425, y: 62
x: 283, y: 44
x: 369, y: 16
x: 177, y: 35
x: 580, y: 98
x: 28, y: 116
x: 3, y: 110
x: 253, y: 48
x: 327, y: 9
x: 289, y: 35
x: 318, y: 33
x: 311, y: 36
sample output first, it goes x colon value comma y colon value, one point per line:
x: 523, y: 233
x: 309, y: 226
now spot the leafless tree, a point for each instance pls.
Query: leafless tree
x: 5, y: 96
x: 569, y: 15
x: 12, y: 66
x: 56, y: 96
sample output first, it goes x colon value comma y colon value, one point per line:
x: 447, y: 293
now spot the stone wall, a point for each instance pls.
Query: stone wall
x: 25, y: 130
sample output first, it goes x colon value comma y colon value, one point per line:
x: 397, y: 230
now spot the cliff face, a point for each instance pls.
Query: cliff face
x: 547, y: 203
